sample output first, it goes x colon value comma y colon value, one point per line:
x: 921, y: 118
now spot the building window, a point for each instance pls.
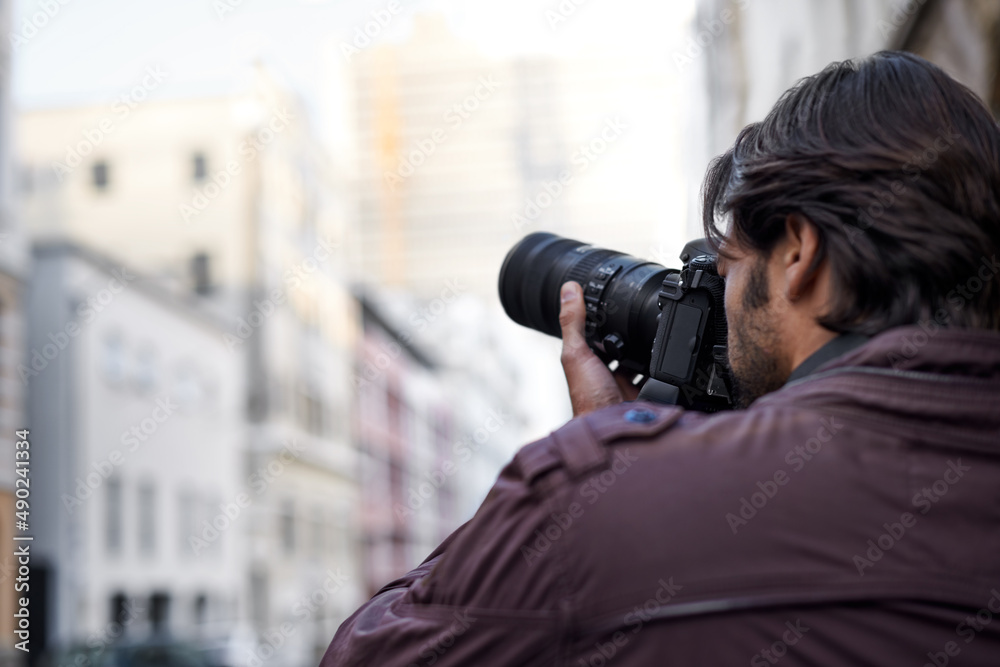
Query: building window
x: 201, y: 273
x: 310, y: 411
x: 113, y: 516
x: 188, y: 387
x: 100, y: 172
x: 145, y: 378
x: 147, y: 519
x: 209, y: 505
x: 159, y: 612
x: 318, y: 532
x: 199, y: 167
x: 113, y: 359
x: 395, y: 408
x: 259, y: 600
x: 119, y: 609
x: 288, y: 526
x: 200, y: 610
x: 187, y: 519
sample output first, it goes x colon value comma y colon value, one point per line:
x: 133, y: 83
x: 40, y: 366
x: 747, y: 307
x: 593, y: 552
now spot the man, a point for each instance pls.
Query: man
x: 850, y: 515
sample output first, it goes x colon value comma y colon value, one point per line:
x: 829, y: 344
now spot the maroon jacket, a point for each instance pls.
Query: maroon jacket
x: 850, y: 518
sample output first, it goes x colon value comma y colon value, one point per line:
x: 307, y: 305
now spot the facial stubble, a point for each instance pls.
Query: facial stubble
x: 753, y: 342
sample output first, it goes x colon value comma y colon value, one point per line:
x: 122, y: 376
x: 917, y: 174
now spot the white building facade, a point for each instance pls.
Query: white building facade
x: 136, y: 436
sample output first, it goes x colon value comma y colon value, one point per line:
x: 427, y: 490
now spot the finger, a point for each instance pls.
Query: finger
x: 572, y: 319
x: 591, y: 385
x: 578, y: 361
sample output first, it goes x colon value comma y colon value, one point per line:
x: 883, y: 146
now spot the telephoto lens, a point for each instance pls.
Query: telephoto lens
x: 620, y: 293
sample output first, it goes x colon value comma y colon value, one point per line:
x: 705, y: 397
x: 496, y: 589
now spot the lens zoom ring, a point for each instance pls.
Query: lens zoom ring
x: 584, y: 269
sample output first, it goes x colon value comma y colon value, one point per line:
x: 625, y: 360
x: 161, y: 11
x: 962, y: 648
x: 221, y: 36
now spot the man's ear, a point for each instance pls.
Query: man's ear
x: 800, y: 251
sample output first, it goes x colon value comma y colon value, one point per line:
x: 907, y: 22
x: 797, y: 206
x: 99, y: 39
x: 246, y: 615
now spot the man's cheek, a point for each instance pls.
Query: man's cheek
x: 732, y: 301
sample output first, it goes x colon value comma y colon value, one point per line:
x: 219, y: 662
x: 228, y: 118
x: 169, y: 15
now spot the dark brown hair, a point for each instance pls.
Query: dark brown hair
x: 898, y: 167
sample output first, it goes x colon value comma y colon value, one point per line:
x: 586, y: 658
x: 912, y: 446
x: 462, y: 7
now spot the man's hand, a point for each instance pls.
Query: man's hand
x: 591, y: 385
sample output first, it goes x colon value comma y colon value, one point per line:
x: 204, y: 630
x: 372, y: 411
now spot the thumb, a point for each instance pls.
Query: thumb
x: 591, y: 384
x: 572, y: 319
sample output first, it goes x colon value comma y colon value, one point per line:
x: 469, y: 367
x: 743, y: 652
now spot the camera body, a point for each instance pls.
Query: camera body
x: 667, y: 325
x: 689, y: 354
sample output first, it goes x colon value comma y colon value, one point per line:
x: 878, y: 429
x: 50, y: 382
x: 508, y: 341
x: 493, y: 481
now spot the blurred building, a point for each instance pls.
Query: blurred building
x: 963, y: 37
x: 227, y: 198
x: 461, y: 154
x: 444, y: 154
x: 404, y: 427
x: 136, y: 440
x: 741, y: 56
x: 432, y: 437
x: 12, y: 268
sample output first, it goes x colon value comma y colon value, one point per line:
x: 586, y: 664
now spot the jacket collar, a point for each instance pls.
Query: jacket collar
x: 925, y: 349
x: 830, y: 350
x: 942, y: 384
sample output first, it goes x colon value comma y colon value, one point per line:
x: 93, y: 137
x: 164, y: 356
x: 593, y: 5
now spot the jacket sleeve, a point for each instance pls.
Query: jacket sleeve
x: 489, y: 594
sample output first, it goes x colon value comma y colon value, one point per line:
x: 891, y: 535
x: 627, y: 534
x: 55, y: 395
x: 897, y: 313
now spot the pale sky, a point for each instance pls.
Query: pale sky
x: 93, y: 51
x: 89, y: 50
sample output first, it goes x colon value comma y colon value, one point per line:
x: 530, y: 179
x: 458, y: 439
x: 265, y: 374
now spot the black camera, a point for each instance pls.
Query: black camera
x: 667, y: 325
